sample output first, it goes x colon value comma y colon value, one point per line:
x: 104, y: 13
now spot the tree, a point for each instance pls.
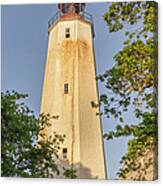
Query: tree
x: 23, y: 154
x: 132, y: 83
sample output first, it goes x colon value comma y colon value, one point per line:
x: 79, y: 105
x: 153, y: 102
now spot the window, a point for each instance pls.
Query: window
x: 64, y: 150
x: 66, y: 88
x: 64, y: 153
x: 67, y: 33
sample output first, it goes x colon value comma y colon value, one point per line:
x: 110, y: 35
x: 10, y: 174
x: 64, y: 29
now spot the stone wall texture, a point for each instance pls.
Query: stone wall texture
x: 71, y: 61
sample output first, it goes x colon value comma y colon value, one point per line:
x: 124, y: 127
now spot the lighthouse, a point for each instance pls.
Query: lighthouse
x: 69, y: 89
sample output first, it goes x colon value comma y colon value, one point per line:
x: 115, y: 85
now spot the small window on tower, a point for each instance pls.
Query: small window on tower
x: 66, y: 88
x: 64, y: 153
x: 67, y: 34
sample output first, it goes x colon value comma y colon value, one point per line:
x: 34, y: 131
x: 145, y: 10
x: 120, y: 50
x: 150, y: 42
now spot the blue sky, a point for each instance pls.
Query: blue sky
x: 24, y: 47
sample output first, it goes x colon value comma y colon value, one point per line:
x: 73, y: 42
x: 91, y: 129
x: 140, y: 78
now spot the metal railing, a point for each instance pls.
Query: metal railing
x: 86, y: 16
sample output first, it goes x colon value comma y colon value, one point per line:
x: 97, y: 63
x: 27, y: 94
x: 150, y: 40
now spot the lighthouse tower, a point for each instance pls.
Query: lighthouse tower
x: 70, y: 87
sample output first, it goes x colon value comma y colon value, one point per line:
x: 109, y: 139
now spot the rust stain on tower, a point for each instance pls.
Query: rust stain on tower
x: 70, y: 87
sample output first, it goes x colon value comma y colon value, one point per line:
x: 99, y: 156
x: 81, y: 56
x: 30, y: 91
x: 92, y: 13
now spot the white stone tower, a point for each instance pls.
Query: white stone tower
x: 70, y: 87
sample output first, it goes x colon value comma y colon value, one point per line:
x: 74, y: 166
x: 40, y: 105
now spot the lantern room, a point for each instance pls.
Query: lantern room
x: 66, y: 9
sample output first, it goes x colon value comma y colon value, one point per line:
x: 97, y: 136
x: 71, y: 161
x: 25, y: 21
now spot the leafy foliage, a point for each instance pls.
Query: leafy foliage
x: 132, y: 82
x: 26, y: 150
x: 70, y: 173
x: 121, y: 13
